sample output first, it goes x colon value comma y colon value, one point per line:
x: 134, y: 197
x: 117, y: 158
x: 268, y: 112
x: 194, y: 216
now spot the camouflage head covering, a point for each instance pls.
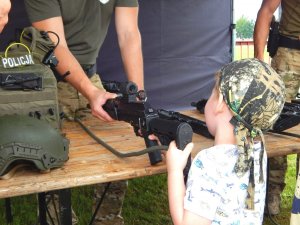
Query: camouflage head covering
x: 255, y: 94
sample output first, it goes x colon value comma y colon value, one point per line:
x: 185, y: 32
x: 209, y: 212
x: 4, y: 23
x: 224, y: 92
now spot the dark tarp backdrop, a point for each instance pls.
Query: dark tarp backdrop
x: 184, y: 44
x: 17, y: 20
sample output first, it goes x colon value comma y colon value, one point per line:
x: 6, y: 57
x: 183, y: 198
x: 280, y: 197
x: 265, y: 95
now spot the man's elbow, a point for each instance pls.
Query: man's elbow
x: 3, y: 22
x: 132, y: 37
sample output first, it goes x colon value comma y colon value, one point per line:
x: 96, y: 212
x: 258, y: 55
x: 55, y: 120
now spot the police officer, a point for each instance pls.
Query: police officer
x: 287, y: 63
x: 81, y: 26
x: 5, y: 6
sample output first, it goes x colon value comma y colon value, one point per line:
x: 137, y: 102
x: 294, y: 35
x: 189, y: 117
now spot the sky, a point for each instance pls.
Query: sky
x: 246, y: 8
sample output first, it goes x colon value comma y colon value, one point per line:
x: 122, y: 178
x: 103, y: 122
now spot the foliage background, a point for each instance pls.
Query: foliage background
x: 244, y: 28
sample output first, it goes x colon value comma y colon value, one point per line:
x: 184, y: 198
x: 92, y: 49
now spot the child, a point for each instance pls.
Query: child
x: 227, y: 182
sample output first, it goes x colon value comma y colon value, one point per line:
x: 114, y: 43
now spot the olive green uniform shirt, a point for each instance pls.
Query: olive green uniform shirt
x: 85, y: 22
x: 290, y: 18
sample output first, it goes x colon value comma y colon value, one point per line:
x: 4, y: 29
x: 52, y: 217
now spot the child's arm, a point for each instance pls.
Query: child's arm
x: 176, y: 161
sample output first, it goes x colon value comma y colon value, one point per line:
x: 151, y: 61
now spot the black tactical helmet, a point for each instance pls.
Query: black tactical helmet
x: 23, y: 138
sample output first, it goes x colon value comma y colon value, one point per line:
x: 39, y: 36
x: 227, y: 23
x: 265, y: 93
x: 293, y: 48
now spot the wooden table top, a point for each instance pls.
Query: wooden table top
x: 90, y: 163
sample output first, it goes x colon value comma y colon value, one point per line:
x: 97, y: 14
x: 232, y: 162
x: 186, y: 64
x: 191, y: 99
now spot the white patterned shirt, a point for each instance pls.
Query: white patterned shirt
x: 215, y: 192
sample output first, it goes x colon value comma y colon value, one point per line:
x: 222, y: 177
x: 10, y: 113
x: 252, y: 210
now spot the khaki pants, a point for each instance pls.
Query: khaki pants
x: 73, y: 103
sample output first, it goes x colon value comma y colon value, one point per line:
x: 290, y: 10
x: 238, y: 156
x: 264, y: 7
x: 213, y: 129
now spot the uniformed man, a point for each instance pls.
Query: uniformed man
x: 287, y: 63
x: 81, y: 26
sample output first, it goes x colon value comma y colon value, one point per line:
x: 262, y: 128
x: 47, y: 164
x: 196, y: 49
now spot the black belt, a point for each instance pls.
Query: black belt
x: 287, y: 42
x: 89, y: 70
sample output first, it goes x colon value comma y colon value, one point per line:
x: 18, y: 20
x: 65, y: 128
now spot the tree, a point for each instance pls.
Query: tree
x: 244, y: 28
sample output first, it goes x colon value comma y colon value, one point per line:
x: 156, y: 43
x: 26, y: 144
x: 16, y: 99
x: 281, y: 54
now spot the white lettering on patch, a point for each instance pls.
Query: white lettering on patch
x: 11, y: 62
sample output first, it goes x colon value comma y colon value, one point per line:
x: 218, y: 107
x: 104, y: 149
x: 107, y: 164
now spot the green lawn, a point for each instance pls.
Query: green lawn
x: 146, y: 202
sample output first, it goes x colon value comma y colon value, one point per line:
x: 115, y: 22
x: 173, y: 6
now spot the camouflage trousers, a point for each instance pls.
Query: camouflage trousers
x: 286, y: 62
x: 73, y: 104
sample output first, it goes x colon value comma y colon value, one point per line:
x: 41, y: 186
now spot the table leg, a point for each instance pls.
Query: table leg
x: 42, y: 208
x: 65, y: 210
x: 8, y: 214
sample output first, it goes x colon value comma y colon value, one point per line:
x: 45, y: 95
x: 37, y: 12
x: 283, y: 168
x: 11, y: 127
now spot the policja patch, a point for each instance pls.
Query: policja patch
x: 21, y: 59
x: 12, y: 62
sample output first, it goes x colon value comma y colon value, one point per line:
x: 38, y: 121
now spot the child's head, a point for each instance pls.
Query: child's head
x: 253, y: 91
x: 255, y: 94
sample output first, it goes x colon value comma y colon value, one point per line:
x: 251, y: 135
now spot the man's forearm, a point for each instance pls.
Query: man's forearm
x: 69, y: 67
x: 261, y: 32
x: 262, y: 26
x: 131, y: 52
x: 78, y: 79
x: 67, y: 63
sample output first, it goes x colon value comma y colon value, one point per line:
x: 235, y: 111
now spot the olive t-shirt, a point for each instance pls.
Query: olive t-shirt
x: 290, y: 18
x: 85, y: 22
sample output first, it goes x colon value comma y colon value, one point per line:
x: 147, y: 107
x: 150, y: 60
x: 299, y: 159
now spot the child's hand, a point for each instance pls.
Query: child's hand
x: 176, y: 159
x: 154, y: 138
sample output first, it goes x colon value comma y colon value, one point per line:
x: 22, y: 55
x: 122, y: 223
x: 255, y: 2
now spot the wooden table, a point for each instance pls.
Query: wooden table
x: 90, y: 163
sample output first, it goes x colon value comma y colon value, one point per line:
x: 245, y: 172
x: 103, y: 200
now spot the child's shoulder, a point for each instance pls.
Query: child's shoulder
x: 219, y: 152
x: 221, y: 147
x: 218, y: 159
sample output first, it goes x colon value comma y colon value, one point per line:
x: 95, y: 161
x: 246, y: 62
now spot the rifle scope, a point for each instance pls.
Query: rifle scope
x: 126, y: 88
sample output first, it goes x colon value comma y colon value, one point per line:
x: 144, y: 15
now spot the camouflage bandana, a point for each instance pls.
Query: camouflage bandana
x: 255, y: 94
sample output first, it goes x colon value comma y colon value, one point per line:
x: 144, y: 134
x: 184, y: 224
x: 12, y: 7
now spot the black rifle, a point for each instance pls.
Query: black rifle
x: 289, y: 117
x: 198, y: 126
x: 130, y: 106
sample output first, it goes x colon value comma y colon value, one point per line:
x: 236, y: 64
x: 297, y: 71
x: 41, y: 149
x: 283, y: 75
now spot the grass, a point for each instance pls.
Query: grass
x: 287, y: 195
x: 146, y: 202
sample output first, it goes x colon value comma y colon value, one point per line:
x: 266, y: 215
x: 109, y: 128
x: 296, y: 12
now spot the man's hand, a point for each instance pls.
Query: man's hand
x: 98, y: 99
x: 5, y: 6
x: 176, y: 158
